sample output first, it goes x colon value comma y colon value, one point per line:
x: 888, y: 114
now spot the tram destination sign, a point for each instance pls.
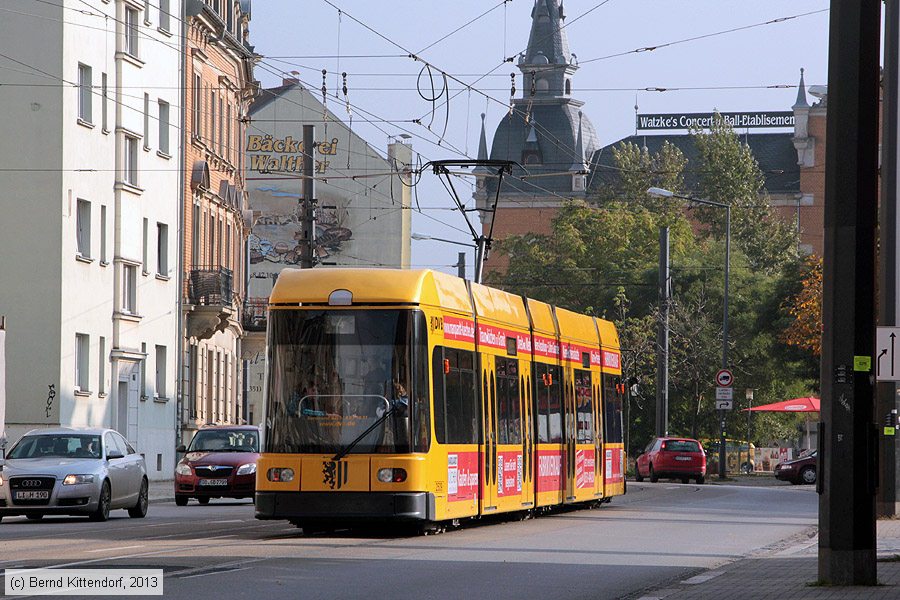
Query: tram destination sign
x: 737, y: 120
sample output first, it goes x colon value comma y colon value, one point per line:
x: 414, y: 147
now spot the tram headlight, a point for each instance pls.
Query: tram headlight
x: 391, y: 475
x: 279, y: 474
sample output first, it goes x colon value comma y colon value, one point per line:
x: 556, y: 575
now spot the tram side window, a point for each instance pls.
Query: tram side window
x: 583, y: 407
x: 508, y: 405
x: 455, y: 408
x: 549, y: 409
x: 612, y: 409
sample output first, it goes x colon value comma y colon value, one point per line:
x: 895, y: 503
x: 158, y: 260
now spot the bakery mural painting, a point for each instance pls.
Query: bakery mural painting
x: 276, y: 238
x: 268, y: 154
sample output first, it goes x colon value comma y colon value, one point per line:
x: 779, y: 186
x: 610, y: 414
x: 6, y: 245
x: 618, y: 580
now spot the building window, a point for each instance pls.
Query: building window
x: 219, y: 242
x: 164, y: 127
x: 131, y: 31
x: 228, y: 144
x: 212, y: 120
x: 102, y: 233
x: 198, y: 106
x: 162, y: 249
x: 84, y: 93
x: 228, y: 246
x: 83, y: 228
x: 105, y: 94
x: 144, y: 254
x: 164, y: 17
x: 131, y: 160
x: 146, y: 121
x: 195, y: 237
x: 160, y: 371
x: 101, y: 386
x: 147, y: 12
x: 221, y: 129
x: 144, y: 394
x: 212, y: 240
x: 129, y: 289
x: 82, y: 362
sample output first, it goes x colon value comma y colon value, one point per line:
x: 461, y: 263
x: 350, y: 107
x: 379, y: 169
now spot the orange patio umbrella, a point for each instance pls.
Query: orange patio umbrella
x: 804, y: 405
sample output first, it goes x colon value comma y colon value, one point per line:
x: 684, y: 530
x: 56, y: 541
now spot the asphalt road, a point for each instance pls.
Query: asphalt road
x: 656, y: 534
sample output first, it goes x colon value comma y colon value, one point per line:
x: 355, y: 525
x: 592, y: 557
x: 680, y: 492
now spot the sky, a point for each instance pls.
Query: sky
x: 710, y: 54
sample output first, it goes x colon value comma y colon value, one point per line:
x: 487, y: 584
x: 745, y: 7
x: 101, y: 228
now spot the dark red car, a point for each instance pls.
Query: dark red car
x: 673, y: 458
x: 799, y: 470
x: 220, y: 462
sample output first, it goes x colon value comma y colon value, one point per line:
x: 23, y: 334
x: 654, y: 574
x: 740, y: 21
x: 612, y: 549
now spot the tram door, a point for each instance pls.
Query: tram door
x: 599, y: 462
x: 489, y: 435
x: 528, y: 437
x: 569, y: 431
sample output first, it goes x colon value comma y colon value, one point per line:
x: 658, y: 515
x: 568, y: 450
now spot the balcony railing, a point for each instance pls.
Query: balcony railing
x: 256, y: 314
x: 210, y: 286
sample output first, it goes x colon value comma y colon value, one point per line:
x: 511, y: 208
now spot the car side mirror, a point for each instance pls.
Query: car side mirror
x: 114, y: 454
x: 181, y: 448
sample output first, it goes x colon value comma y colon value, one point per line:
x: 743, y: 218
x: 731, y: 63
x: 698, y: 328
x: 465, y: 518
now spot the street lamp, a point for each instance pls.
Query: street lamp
x: 663, y: 193
x: 461, y: 262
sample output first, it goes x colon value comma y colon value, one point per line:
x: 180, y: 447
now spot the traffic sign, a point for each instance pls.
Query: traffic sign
x: 887, y: 347
x: 724, y: 405
x: 724, y: 378
x: 724, y: 393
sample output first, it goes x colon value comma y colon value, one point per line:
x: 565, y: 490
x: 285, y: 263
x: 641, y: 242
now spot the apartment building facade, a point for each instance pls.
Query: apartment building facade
x: 218, y: 89
x: 90, y: 200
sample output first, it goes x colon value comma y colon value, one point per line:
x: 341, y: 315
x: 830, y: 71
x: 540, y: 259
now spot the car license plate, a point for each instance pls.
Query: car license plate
x: 213, y: 482
x: 683, y: 458
x: 32, y: 495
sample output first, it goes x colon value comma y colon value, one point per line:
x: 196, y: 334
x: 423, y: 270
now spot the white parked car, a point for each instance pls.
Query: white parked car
x: 72, y: 472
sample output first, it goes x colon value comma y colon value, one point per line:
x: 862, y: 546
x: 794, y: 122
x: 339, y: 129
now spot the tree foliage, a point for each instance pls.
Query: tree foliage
x: 805, y: 309
x: 729, y: 174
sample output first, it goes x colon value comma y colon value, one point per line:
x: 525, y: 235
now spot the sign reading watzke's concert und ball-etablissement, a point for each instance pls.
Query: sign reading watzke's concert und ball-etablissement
x: 738, y: 120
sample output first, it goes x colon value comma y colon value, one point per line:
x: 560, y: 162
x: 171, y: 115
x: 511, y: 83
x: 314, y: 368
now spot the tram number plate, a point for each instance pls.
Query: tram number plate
x: 32, y: 495
x: 213, y: 482
x: 682, y: 458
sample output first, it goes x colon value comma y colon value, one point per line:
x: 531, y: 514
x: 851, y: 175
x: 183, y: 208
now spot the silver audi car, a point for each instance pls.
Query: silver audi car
x: 72, y: 472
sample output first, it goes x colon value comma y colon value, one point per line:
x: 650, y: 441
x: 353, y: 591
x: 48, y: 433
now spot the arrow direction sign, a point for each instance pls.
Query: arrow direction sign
x: 886, y: 355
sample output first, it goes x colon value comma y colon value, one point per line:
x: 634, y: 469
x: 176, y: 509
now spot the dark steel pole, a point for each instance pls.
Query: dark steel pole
x: 722, y: 453
x: 662, y: 339
x: 307, y: 258
x: 888, y: 273
x: 461, y: 265
x: 847, y: 451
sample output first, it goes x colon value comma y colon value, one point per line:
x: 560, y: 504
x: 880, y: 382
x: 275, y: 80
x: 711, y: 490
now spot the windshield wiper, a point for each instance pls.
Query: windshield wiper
x: 346, y: 450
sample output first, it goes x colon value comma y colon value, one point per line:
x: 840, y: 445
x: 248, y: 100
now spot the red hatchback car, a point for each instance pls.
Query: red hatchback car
x: 219, y: 463
x: 674, y: 458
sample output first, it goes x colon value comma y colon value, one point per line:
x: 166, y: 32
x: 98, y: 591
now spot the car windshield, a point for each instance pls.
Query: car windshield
x: 682, y: 446
x: 56, y: 446
x: 237, y: 440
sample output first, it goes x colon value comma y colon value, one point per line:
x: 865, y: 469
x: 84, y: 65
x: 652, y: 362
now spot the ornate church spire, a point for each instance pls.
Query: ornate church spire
x: 548, y: 55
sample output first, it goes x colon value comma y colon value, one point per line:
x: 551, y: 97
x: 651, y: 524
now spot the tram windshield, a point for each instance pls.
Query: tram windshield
x: 334, y: 373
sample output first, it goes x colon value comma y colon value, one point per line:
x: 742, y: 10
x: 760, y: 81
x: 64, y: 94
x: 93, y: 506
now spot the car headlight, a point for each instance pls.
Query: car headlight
x: 247, y: 469
x: 1, y: 480
x: 76, y: 479
x: 183, y: 469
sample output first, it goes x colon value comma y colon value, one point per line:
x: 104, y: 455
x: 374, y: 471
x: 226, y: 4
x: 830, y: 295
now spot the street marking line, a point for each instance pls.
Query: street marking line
x: 229, y: 521
x: 214, y: 573
x: 113, y: 549
x: 703, y: 578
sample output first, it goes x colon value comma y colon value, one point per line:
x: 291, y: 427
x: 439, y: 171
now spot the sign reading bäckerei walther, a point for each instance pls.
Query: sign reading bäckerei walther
x: 739, y: 120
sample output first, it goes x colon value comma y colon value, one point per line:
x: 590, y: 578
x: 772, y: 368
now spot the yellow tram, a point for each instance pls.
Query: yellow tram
x: 412, y: 395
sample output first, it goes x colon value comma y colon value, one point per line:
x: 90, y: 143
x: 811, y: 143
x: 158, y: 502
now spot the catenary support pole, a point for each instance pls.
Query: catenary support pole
x: 308, y: 247
x: 461, y: 265
x: 888, y: 274
x: 847, y: 450
x: 662, y: 338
